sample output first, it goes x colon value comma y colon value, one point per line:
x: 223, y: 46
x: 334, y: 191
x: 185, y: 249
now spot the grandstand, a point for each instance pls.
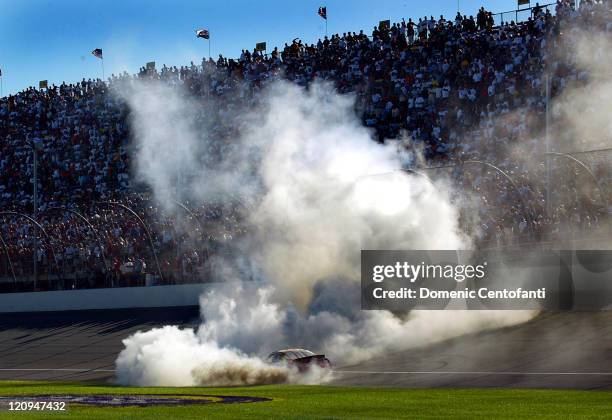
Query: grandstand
x: 465, y: 91
x: 121, y: 290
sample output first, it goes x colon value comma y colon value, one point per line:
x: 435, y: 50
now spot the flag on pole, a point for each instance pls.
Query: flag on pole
x: 323, y: 12
x: 522, y: 2
x: 97, y: 53
x: 260, y: 46
x: 43, y: 84
x: 203, y: 33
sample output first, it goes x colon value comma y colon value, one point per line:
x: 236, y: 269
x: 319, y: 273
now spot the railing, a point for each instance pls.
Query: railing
x: 513, y: 15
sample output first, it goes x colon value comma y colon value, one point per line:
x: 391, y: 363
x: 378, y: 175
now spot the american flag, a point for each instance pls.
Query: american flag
x: 203, y: 33
x: 97, y: 53
x: 323, y: 12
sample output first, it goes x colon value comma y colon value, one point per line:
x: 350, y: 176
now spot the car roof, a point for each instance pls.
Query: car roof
x: 294, y: 350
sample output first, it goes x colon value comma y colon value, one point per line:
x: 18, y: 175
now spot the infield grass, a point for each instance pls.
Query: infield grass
x: 321, y: 402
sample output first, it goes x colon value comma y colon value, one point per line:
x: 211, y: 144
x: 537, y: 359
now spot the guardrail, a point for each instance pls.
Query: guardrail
x: 499, y: 16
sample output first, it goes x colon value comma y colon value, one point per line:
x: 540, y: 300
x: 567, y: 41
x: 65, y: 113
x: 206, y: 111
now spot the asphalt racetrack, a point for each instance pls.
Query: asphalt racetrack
x: 75, y: 345
x: 555, y: 350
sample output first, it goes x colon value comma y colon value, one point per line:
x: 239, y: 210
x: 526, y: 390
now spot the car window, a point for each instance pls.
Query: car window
x: 275, y: 357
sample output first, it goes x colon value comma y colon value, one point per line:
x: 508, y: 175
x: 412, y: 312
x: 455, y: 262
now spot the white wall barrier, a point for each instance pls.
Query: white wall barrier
x: 115, y: 298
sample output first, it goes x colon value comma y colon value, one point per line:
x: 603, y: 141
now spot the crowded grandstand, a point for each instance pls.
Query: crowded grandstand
x: 460, y: 91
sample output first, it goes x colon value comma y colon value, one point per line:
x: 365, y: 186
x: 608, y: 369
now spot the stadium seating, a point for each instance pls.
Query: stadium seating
x: 443, y: 84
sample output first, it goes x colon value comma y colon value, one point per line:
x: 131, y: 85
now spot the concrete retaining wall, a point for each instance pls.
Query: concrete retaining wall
x: 116, y: 298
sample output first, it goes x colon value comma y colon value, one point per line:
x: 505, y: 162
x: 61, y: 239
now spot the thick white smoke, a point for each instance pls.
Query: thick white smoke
x: 582, y: 110
x: 170, y: 356
x: 321, y: 204
x: 323, y: 191
x: 333, y: 323
x: 166, y: 122
x: 214, y: 355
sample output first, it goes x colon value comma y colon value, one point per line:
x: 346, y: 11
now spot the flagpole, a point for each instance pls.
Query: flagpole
x: 209, y: 56
x: 102, y: 60
x: 326, y: 16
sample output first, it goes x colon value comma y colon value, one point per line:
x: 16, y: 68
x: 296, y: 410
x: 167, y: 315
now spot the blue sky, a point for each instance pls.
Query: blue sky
x: 53, y: 39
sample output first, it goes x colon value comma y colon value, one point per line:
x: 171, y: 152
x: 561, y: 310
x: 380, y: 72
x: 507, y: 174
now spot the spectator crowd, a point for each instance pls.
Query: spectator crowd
x: 460, y: 90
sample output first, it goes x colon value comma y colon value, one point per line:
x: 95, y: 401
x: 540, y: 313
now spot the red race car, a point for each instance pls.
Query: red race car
x: 300, y: 358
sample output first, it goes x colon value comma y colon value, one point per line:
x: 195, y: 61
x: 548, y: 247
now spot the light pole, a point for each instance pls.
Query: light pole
x: 35, y: 145
x: 547, y: 152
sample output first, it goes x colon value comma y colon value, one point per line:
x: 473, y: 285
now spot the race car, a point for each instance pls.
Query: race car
x: 302, y: 359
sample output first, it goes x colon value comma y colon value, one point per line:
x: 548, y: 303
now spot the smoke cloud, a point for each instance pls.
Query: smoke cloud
x: 582, y: 110
x: 170, y: 356
x: 322, y: 190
